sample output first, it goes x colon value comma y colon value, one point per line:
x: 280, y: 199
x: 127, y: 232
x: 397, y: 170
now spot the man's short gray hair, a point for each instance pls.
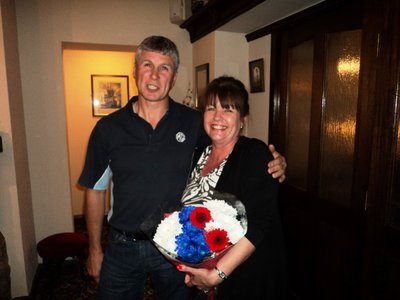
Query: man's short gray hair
x: 159, y: 44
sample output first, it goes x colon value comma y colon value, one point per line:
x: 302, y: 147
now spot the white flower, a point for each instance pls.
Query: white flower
x: 224, y: 217
x: 166, y: 232
x: 220, y: 208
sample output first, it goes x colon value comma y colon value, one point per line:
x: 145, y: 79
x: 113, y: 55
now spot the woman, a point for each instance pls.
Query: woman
x: 254, y: 268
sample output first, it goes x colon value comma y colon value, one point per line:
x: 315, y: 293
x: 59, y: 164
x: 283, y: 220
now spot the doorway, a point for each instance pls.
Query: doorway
x: 80, y: 61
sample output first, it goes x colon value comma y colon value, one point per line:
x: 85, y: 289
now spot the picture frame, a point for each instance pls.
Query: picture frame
x: 256, y: 72
x: 202, y: 79
x: 109, y: 93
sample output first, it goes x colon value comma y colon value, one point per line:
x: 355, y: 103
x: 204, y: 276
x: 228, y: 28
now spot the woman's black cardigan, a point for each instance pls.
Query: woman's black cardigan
x: 263, y: 275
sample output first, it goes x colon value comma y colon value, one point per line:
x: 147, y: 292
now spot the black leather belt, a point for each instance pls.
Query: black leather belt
x: 131, y: 235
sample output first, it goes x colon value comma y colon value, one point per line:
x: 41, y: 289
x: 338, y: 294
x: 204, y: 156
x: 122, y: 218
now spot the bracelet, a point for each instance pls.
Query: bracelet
x: 221, y: 274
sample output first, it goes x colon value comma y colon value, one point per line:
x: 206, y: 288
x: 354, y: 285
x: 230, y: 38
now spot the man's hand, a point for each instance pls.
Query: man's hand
x: 277, y: 167
x: 94, y: 212
x: 93, y: 264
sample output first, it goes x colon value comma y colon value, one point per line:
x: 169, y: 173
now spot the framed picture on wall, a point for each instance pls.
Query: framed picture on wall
x: 109, y: 93
x: 256, y: 71
x: 202, y: 79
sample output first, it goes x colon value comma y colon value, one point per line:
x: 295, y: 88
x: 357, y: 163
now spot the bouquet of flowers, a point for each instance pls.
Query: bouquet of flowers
x: 201, y: 231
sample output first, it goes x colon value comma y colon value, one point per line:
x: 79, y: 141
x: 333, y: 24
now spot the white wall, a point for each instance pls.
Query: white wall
x: 42, y: 26
x: 9, y: 222
x: 259, y: 102
x: 229, y: 54
x: 204, y: 52
x: 16, y: 217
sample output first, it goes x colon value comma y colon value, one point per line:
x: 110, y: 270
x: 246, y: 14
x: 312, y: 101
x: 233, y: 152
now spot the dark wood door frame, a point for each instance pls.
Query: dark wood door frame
x: 382, y: 254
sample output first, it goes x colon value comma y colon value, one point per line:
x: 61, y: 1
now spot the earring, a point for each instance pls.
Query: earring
x: 241, y: 126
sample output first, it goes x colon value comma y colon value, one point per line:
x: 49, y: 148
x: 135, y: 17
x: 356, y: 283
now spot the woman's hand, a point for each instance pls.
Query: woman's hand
x: 206, y: 279
x: 277, y: 167
x: 203, y: 279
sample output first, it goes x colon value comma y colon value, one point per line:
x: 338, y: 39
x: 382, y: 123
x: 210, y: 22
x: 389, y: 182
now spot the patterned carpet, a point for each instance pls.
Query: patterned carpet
x: 70, y: 285
x: 69, y: 281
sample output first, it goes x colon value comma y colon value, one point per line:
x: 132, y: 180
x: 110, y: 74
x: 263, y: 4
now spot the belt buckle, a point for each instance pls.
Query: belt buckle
x: 127, y: 235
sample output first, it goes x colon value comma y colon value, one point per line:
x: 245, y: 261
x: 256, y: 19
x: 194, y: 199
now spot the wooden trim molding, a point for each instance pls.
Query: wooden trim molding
x: 293, y: 19
x: 97, y: 47
x: 214, y: 14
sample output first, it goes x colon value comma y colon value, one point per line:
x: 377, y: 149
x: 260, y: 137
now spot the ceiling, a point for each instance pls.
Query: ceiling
x: 265, y: 14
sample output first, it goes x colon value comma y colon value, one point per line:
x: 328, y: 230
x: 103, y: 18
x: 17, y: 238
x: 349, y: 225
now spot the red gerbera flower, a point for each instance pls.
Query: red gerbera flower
x: 200, y: 216
x: 217, y: 239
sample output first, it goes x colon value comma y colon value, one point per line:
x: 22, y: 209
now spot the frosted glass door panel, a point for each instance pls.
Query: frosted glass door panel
x: 299, y: 112
x: 339, y: 111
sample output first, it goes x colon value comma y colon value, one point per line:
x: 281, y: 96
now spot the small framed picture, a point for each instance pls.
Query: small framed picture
x: 256, y: 71
x: 202, y: 80
x: 109, y: 93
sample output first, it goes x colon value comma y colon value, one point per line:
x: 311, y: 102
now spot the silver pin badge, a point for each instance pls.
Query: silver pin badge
x: 180, y: 137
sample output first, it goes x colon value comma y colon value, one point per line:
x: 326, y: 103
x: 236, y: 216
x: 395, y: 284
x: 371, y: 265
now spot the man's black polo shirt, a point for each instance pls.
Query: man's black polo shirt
x: 149, y: 167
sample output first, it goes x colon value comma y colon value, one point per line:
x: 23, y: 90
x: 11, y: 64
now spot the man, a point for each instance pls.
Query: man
x: 147, y: 148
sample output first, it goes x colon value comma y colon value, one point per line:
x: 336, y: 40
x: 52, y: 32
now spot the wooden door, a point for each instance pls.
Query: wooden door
x: 318, y: 111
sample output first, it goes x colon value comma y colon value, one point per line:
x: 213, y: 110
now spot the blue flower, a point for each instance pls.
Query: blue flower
x: 184, y: 214
x: 191, y: 244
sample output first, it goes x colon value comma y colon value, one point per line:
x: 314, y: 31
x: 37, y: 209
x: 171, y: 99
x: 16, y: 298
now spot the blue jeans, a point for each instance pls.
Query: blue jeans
x: 126, y: 265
